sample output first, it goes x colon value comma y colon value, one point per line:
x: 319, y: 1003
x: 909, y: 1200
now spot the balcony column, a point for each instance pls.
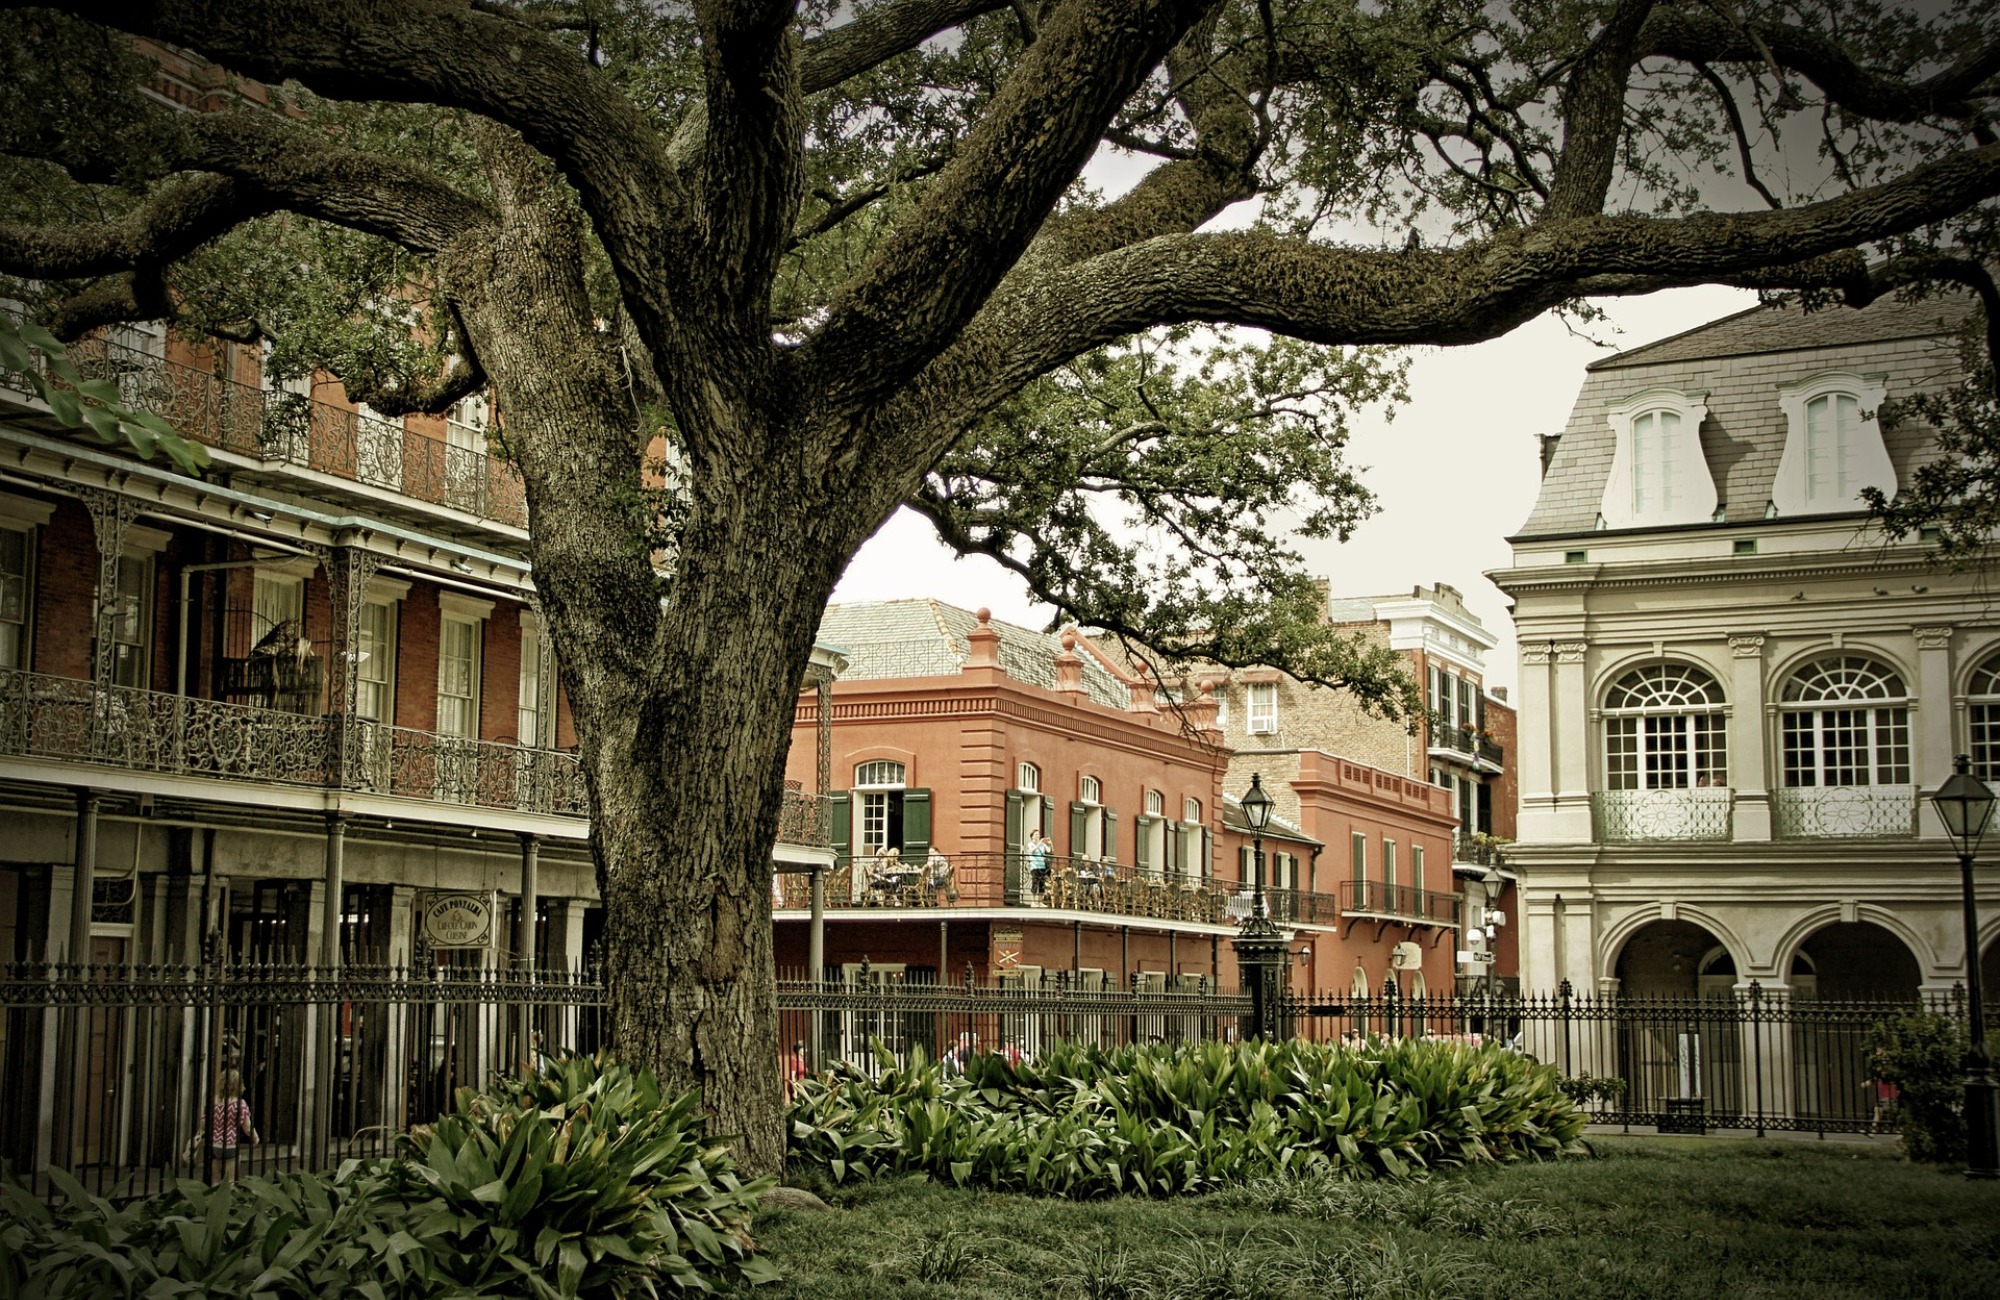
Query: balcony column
x: 83, y: 876
x: 336, y: 888
x: 823, y: 696
x: 111, y: 516
x: 524, y: 924
x: 1931, y: 715
x: 347, y: 570
x: 1750, y: 816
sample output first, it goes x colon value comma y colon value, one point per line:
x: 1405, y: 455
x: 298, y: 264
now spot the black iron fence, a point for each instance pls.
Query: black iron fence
x: 1751, y: 1058
x: 131, y: 1076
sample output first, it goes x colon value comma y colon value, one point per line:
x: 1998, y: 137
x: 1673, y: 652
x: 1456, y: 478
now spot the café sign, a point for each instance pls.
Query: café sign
x: 458, y: 920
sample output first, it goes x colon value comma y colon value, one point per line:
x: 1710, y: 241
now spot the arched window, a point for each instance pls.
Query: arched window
x: 1845, y: 721
x: 1090, y: 790
x: 1664, y: 729
x: 1983, y: 719
x: 1029, y: 777
x: 1155, y: 802
x: 878, y: 774
x: 1656, y: 458
x: 1833, y: 451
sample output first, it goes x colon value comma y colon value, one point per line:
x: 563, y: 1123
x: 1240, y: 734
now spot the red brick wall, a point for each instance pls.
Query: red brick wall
x: 500, y: 675
x: 416, y: 659
x: 66, y: 587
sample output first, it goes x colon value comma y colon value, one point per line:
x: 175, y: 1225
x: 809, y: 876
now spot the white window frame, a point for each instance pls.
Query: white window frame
x: 531, y: 729
x: 375, y: 662
x: 17, y: 634
x: 26, y: 516
x: 1090, y: 793
x: 1876, y: 725
x: 1260, y: 700
x: 1694, y: 499
x: 463, y: 611
x: 877, y: 783
x: 1868, y: 463
x: 1028, y: 778
x: 1661, y: 744
x: 1982, y: 718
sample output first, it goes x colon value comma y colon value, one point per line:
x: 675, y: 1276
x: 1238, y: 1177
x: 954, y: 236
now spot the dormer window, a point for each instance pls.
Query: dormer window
x: 1658, y: 473
x: 1833, y: 446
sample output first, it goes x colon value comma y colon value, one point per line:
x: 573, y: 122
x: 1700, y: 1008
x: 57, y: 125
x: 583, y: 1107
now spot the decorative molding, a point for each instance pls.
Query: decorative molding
x: 1570, y: 652
x: 1535, y: 655
x: 1747, y: 645
x: 453, y: 605
x: 142, y: 542
x: 1933, y: 638
x: 25, y: 510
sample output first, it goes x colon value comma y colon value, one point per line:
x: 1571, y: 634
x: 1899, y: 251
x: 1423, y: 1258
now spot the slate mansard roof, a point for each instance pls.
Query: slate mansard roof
x: 927, y: 638
x: 1740, y: 362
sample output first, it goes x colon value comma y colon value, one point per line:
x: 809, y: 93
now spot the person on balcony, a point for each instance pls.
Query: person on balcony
x: 939, y: 876
x: 1040, y: 854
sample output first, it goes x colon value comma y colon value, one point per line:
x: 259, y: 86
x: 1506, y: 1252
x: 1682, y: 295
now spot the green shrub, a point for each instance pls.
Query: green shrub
x: 1157, y: 1120
x: 581, y: 1180
x: 1923, y: 1055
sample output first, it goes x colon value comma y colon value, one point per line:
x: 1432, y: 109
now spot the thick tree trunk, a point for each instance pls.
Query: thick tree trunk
x: 683, y: 694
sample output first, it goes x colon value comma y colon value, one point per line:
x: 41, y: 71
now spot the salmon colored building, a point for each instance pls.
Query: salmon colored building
x: 956, y: 738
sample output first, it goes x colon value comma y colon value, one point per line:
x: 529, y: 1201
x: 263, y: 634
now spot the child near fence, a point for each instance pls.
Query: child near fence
x: 229, y: 1126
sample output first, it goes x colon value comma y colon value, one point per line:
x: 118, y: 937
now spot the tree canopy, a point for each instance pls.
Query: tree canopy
x: 815, y: 260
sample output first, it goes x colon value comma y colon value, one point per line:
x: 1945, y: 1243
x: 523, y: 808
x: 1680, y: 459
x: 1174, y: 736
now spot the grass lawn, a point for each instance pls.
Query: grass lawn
x: 1650, y: 1219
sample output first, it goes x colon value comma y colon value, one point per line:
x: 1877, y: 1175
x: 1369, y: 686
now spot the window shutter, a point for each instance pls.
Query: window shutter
x: 840, y: 811
x: 1142, y: 840
x: 1207, y: 854
x: 1243, y: 864
x: 1014, y: 873
x: 916, y: 824
x: 1049, y: 817
x: 1079, y: 828
x: 1110, y: 836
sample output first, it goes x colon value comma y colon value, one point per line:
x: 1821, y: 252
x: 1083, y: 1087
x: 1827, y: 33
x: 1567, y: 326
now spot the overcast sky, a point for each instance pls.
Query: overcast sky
x: 1454, y: 474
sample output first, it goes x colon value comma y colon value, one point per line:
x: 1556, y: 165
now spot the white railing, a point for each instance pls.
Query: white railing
x: 1635, y: 816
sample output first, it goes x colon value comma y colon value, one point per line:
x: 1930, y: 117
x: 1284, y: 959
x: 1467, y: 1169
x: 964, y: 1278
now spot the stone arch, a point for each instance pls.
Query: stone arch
x: 1786, y: 951
x: 1612, y: 943
x: 1667, y: 958
x: 1858, y: 959
x: 1609, y: 671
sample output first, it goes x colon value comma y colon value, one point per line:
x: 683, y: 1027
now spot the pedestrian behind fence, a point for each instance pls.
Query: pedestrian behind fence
x: 229, y: 1126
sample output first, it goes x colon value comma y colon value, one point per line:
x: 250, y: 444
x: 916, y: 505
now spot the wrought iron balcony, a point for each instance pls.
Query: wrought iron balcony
x: 1843, y: 811
x: 291, y: 429
x: 988, y: 880
x: 1463, y: 742
x: 1478, y: 849
x: 1377, y: 898
x: 1637, y: 816
x: 74, y: 721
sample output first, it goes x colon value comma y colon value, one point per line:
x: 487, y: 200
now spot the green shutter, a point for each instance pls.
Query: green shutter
x: 1207, y: 854
x: 1142, y: 841
x: 1079, y: 829
x: 1110, y: 836
x: 840, y: 809
x: 1049, y: 820
x: 1243, y: 864
x: 1017, y: 834
x: 916, y: 824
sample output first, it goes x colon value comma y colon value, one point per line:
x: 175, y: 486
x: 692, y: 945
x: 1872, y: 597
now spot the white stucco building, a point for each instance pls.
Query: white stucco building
x: 1735, y: 694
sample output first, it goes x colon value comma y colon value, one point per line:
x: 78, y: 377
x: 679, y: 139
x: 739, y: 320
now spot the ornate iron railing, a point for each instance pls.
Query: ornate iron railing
x: 1070, y: 884
x: 1636, y: 816
x: 298, y: 430
x: 1843, y: 811
x: 1478, y: 849
x: 1401, y: 902
x: 805, y: 819
x: 43, y: 716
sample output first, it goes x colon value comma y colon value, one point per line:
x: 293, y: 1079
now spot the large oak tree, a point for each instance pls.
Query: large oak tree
x: 836, y: 258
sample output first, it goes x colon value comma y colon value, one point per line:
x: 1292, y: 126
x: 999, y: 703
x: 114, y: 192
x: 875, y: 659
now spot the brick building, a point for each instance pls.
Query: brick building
x: 957, y: 736
x: 1297, y: 734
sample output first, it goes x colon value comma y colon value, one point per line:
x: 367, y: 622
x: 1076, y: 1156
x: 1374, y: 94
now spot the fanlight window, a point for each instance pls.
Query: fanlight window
x: 1983, y: 719
x: 1090, y: 790
x: 1029, y: 777
x: 879, y: 773
x: 1846, y: 721
x: 1665, y: 729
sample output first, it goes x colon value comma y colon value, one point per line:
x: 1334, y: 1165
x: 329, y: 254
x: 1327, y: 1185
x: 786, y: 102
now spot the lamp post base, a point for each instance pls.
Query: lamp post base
x: 1982, y: 1160
x: 1261, y: 954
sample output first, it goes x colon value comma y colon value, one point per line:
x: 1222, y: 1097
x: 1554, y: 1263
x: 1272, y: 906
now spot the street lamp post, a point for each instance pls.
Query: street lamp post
x: 1965, y: 805
x: 1495, y: 884
x: 1261, y: 949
